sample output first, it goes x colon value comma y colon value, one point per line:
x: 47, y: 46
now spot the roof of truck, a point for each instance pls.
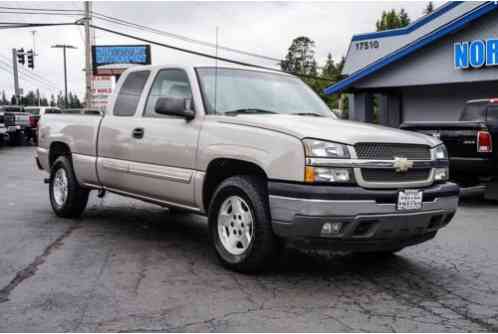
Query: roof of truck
x: 205, y: 65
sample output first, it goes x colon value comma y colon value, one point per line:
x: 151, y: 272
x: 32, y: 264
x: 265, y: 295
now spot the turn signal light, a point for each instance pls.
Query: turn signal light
x: 484, y: 142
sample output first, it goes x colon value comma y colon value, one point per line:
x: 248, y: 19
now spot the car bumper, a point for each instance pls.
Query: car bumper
x: 369, y: 218
x: 484, y: 167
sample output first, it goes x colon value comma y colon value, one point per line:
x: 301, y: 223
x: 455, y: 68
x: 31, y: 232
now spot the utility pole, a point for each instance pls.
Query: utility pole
x: 64, y: 47
x: 88, y: 55
x: 16, y: 77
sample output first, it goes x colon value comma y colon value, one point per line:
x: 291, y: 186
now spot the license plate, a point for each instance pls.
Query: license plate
x: 12, y: 128
x: 410, y: 200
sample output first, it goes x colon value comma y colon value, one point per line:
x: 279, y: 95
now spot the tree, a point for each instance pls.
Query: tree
x: 392, y: 20
x: 4, y: 99
x: 13, y: 100
x: 404, y: 20
x: 53, y: 103
x: 429, y: 9
x: 300, y: 58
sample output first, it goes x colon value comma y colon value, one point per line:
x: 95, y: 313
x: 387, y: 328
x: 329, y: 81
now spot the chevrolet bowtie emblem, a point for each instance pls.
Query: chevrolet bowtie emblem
x: 402, y: 164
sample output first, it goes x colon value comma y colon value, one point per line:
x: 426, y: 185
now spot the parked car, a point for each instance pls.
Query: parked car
x: 260, y: 155
x: 473, y: 159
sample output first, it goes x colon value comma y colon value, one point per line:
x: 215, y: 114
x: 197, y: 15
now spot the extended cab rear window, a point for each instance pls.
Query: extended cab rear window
x: 130, y: 92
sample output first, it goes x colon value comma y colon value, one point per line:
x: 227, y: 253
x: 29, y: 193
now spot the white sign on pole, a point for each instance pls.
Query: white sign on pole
x: 102, y: 88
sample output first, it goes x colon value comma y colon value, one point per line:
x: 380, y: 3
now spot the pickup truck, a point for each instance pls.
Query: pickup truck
x: 469, y: 141
x: 258, y: 153
x: 4, y: 136
x: 20, y: 124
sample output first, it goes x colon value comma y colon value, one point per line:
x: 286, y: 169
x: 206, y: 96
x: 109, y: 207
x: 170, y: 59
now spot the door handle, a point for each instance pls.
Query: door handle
x: 138, y: 133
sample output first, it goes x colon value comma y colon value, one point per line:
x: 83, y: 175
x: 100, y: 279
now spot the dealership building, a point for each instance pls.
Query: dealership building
x: 425, y: 71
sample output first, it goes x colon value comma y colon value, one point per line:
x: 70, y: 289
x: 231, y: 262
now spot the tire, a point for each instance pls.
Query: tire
x: 16, y: 139
x: 71, y: 202
x: 241, y: 202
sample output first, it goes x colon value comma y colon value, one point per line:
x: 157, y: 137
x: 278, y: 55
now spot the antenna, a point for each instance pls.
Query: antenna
x: 216, y: 73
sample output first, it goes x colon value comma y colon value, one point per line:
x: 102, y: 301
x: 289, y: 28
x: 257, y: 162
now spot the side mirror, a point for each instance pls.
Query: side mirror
x: 175, y: 107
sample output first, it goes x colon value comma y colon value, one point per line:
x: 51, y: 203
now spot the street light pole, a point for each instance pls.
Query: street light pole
x: 64, y: 47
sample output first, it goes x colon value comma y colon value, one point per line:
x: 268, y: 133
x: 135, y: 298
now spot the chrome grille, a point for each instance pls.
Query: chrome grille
x: 9, y: 119
x: 390, y: 175
x: 384, y: 151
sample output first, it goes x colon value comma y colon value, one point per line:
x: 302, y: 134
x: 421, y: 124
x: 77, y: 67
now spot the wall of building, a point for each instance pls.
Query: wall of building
x: 442, y: 102
x: 434, y: 64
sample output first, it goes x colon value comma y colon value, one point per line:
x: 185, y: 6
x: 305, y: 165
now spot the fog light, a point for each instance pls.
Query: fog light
x: 331, y: 228
x: 442, y: 174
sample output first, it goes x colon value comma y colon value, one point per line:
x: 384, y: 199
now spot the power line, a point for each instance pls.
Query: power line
x: 34, y: 74
x: 206, y: 55
x: 129, y: 24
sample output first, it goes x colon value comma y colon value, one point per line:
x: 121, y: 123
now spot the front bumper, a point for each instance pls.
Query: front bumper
x: 370, y: 220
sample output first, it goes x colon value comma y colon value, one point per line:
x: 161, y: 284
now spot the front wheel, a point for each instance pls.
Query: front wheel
x: 67, y: 197
x: 240, y: 224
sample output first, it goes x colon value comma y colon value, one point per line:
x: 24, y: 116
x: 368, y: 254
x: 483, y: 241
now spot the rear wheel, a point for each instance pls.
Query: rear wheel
x: 240, y: 224
x: 67, y: 198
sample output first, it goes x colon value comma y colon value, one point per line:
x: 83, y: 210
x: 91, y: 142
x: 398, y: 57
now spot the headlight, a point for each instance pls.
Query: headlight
x: 324, y: 149
x: 326, y: 174
x: 441, y: 174
x: 440, y: 153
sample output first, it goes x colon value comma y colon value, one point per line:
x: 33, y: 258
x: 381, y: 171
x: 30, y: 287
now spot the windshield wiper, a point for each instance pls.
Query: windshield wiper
x: 309, y: 114
x: 249, y: 111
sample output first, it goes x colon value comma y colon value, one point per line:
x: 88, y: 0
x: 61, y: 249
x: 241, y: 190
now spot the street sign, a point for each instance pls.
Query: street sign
x: 120, y: 54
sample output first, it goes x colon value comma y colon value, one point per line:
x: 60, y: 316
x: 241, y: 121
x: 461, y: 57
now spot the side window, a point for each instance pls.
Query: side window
x: 129, y: 94
x: 168, y: 83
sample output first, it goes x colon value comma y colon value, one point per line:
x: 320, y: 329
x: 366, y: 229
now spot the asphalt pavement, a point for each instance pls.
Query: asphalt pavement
x: 131, y: 266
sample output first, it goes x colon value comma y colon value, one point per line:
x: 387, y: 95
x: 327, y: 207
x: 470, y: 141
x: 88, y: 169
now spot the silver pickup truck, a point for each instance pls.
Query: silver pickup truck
x: 260, y: 154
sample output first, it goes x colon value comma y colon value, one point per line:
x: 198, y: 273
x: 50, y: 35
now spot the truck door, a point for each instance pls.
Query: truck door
x: 164, y: 155
x: 160, y: 150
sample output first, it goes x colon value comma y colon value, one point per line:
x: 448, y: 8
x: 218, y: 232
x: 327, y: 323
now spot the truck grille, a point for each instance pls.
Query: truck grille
x: 381, y: 151
x: 390, y: 175
x: 9, y: 119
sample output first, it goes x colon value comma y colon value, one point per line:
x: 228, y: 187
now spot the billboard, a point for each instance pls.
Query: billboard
x: 120, y: 54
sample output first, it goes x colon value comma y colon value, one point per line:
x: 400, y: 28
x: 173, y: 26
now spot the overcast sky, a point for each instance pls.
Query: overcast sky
x: 265, y: 28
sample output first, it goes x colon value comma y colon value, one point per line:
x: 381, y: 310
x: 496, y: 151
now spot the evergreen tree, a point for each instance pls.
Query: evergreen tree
x: 53, y: 103
x: 404, y: 20
x: 429, y: 9
x: 4, y: 99
x: 392, y: 20
x: 300, y: 58
x: 13, y: 100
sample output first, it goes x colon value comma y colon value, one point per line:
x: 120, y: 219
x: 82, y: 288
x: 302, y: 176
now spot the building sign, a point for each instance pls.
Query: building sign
x: 102, y: 88
x: 120, y: 54
x: 476, y: 54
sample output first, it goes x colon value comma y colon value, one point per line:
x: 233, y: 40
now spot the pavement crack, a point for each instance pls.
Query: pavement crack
x: 31, y: 269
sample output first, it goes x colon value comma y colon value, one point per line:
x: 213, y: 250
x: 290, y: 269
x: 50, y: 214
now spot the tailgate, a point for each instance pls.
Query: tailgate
x: 460, y: 138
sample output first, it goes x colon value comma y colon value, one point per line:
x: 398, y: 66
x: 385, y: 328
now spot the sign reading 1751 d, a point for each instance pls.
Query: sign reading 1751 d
x: 476, y: 54
x: 120, y: 54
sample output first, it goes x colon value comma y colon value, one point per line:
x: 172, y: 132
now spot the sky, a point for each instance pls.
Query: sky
x: 265, y: 28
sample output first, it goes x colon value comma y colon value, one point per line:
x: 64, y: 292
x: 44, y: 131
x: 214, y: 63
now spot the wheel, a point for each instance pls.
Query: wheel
x: 240, y: 224
x: 67, y: 198
x: 17, y: 139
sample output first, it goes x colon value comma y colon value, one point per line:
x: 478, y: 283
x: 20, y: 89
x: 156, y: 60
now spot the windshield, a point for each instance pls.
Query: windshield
x: 473, y: 112
x: 246, y: 91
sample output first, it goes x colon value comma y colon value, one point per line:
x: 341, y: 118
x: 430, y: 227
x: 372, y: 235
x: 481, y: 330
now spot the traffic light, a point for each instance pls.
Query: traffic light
x: 31, y: 59
x: 20, y: 56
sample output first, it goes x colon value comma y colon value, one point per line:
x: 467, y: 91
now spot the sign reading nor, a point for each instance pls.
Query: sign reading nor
x: 476, y: 54
x: 120, y: 54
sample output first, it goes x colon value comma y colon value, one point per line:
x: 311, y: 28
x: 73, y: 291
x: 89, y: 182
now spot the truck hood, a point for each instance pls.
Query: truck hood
x: 330, y: 129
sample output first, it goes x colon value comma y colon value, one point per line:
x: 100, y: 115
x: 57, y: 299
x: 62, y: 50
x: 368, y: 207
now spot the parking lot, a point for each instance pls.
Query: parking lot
x: 130, y: 266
